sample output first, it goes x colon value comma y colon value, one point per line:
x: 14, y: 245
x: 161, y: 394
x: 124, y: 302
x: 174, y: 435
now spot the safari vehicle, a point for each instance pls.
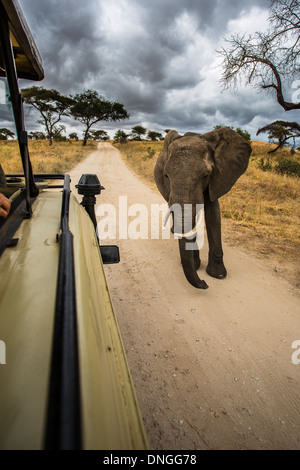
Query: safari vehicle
x: 64, y: 377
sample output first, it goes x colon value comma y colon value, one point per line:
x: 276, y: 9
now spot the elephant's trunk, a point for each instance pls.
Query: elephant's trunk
x: 188, y: 264
x: 188, y: 248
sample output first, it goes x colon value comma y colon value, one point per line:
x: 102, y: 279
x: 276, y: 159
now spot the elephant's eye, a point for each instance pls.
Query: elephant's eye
x: 166, y: 176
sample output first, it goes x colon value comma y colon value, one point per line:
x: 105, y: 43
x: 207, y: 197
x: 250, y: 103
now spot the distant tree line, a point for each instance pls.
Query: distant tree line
x: 88, y: 107
x: 137, y: 133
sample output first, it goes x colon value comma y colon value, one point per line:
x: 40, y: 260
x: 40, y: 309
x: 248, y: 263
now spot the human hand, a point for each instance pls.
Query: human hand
x: 4, y: 206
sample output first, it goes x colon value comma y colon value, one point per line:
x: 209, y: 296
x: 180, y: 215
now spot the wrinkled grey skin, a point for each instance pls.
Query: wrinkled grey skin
x: 199, y: 169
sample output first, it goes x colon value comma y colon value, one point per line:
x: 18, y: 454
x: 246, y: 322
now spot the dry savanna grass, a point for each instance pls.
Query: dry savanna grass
x: 58, y: 158
x: 141, y: 157
x: 261, y: 212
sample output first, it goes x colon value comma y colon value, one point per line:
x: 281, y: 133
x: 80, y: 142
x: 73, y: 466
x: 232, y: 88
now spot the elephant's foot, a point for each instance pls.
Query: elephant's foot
x: 216, y: 270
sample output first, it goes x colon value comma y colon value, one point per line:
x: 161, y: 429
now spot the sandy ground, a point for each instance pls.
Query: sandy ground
x: 212, y: 369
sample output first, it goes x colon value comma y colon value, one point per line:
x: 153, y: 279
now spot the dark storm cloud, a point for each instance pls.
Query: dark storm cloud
x: 67, y: 36
x: 6, y: 116
x: 155, y: 56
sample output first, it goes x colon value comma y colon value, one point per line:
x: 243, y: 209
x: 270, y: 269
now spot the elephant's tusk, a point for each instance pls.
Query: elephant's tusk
x: 196, y: 230
x: 189, y: 234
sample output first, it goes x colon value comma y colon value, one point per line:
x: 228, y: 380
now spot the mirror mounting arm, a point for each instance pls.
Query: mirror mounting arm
x: 89, y: 185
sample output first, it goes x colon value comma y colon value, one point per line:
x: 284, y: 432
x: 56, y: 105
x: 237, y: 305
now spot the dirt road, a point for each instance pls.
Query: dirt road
x: 212, y: 369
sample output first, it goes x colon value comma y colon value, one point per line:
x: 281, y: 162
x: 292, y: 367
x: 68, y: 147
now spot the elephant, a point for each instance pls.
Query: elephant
x: 197, y: 169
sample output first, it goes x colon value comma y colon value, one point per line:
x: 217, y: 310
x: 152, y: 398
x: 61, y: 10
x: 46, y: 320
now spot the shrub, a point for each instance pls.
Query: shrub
x: 265, y: 166
x: 244, y: 134
x: 120, y: 137
x: 150, y: 154
x: 288, y: 167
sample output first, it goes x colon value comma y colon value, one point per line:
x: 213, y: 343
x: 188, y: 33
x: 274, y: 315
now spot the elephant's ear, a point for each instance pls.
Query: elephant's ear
x: 231, y: 155
x: 192, y: 134
x: 159, y: 169
x: 170, y: 137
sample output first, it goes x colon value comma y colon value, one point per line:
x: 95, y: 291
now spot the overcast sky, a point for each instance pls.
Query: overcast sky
x: 157, y: 57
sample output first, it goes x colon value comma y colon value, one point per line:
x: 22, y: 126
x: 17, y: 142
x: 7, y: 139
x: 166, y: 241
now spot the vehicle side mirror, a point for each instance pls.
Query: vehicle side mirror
x: 110, y: 254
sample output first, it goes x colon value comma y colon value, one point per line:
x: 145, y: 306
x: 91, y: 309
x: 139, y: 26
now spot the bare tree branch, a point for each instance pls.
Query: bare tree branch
x: 269, y: 59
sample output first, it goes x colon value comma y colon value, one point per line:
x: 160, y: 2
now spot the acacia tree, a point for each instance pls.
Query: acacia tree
x: 5, y: 133
x: 99, y: 135
x: 153, y: 135
x: 89, y: 108
x: 281, y: 132
x: 137, y: 132
x: 73, y: 135
x: 120, y: 137
x: 267, y: 59
x: 51, y: 105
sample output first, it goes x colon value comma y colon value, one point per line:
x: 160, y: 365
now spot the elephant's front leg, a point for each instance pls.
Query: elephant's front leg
x: 215, y: 267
